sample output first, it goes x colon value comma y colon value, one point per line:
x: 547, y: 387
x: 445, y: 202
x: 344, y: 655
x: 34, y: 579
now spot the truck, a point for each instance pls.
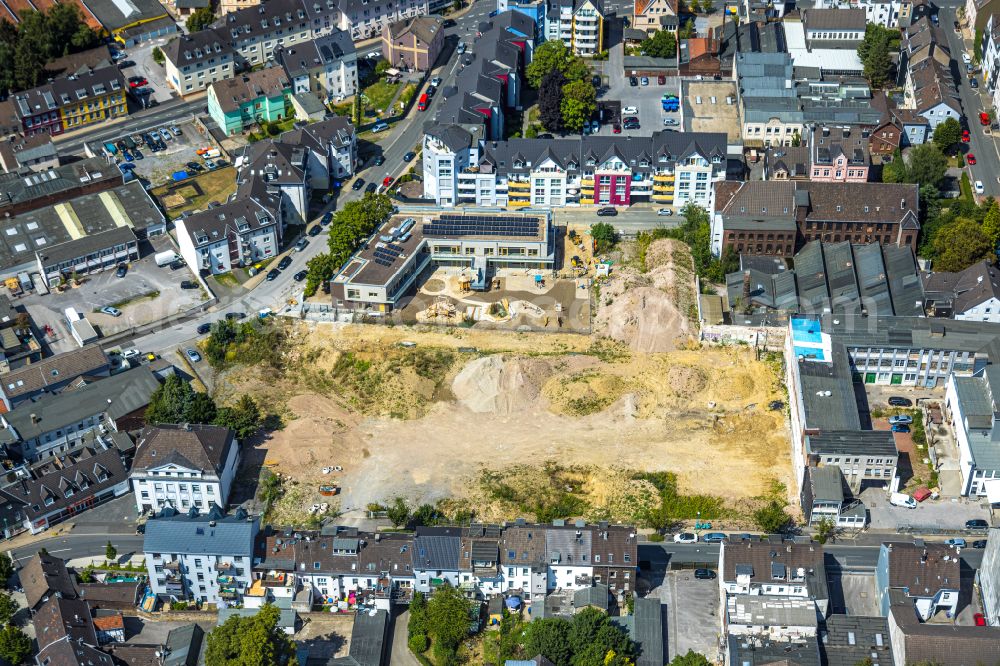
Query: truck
x: 903, y: 500
x: 166, y: 258
x: 211, y: 153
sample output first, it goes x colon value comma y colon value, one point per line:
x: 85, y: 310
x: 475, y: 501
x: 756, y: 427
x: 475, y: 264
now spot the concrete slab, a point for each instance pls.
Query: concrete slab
x: 693, y: 620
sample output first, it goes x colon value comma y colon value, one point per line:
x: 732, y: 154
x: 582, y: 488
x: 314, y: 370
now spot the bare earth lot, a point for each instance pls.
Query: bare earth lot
x: 425, y: 421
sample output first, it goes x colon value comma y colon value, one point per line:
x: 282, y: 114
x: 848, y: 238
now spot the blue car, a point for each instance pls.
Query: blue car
x: 899, y: 427
x: 714, y: 537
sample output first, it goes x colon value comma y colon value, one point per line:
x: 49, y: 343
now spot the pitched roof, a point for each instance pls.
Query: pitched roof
x: 299, y: 59
x: 923, y: 571
x: 834, y: 19
x: 45, y: 575
x: 62, y: 619
x: 214, y: 533
x: 851, y: 639
x: 968, y: 288
x: 944, y: 644
x: 233, y: 93
x: 196, y: 47
x: 767, y: 563
x: 437, y: 548
x: 54, y: 370
x: 202, y: 447
x: 62, y: 92
x: 423, y: 28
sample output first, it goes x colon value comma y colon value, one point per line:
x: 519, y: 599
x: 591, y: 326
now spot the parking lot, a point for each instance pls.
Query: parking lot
x: 693, y: 621
x: 141, y: 55
x: 646, y: 99
x: 948, y: 515
x: 147, y: 293
x: 159, y: 167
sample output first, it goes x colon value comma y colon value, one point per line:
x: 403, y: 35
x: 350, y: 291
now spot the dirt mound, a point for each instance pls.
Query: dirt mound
x: 685, y: 380
x: 650, y: 311
x: 501, y: 385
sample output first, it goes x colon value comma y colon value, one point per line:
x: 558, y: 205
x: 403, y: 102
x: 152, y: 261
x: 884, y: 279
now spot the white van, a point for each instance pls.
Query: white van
x: 903, y: 500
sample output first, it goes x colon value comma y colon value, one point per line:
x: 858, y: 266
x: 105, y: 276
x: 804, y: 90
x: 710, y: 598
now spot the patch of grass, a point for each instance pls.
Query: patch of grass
x: 147, y: 296
x: 380, y: 94
x: 227, y: 280
x: 214, y: 185
x: 675, y: 506
x: 559, y: 498
x: 966, y: 188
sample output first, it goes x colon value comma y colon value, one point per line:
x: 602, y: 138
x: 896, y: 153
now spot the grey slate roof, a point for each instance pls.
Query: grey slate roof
x: 827, y: 483
x: 564, y: 548
x: 190, y: 533
x: 595, y: 595
x: 368, y: 637
x: 852, y: 442
x: 850, y: 639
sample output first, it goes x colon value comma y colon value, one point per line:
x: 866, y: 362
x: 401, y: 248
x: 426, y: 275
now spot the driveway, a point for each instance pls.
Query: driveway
x: 930, y: 516
x: 399, y: 654
x: 693, y: 621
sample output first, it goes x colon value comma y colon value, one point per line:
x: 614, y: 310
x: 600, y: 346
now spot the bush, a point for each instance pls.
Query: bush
x: 417, y: 643
x: 656, y: 537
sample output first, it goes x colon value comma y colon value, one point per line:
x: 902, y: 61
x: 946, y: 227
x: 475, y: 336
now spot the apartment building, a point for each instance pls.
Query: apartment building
x: 668, y: 168
x: 929, y: 89
x: 987, y: 578
x: 823, y: 499
x: 205, y: 557
x: 52, y: 375
x: 184, y: 466
x: 990, y: 59
x: 928, y: 575
x: 838, y: 155
x: 413, y: 44
x: 776, y: 569
x: 238, y: 233
x: 579, y: 24
x: 651, y: 16
x: 66, y: 104
x: 256, y: 32
x: 969, y: 295
x: 194, y: 62
x: 332, y: 143
x: 326, y: 66
x: 367, y: 19
x: 886, y: 13
x: 250, y: 99
x: 970, y: 405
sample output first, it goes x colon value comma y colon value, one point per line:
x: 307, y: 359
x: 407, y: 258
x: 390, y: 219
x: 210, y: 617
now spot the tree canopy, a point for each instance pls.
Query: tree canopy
x: 604, y: 236
x: 691, y: 658
x: 947, y: 134
x: 39, y: 38
x: 15, y: 646
x: 662, y: 44
x: 200, y: 19
x: 589, y: 639
x: 961, y: 244
x: 875, y: 53
x: 552, y: 55
x: 579, y: 102
x: 250, y: 641
x: 550, y: 100
x: 176, y: 402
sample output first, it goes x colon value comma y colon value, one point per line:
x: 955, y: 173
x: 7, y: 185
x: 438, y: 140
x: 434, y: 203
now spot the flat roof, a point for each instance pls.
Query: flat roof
x: 708, y: 116
x: 860, y: 442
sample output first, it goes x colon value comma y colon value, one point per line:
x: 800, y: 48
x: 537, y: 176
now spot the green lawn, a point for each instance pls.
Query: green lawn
x: 380, y: 94
x: 214, y: 186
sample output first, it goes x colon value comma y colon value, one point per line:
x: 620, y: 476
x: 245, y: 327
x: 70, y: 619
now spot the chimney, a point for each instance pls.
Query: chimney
x: 34, y: 418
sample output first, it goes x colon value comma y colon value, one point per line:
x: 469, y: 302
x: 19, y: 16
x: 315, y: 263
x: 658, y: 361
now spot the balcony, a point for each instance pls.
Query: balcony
x: 587, y: 182
x: 586, y: 201
x: 663, y: 187
x: 518, y: 204
x: 275, y: 580
x: 665, y: 198
x: 663, y: 178
x: 518, y: 184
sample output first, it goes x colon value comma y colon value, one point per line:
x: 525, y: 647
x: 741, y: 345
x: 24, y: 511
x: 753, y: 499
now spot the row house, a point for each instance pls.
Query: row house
x: 238, y: 233
x: 205, y: 557
x: 886, y: 13
x: 367, y: 19
x: 778, y: 217
x: 651, y: 16
x: 839, y: 155
x: 990, y: 59
x: 667, y: 168
x: 929, y: 88
x: 578, y: 24
x: 65, y: 104
x: 776, y: 569
x: 928, y: 575
x: 196, y: 61
x: 256, y: 32
x: 250, y: 99
x: 326, y: 66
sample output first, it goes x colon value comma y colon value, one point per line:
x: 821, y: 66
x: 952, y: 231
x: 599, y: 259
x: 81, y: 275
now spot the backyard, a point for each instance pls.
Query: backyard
x: 379, y: 95
x: 194, y: 194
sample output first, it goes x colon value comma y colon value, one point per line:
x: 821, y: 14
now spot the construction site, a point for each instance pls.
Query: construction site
x: 440, y: 414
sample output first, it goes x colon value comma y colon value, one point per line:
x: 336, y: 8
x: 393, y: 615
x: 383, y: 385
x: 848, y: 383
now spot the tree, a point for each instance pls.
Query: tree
x: 6, y: 568
x: 991, y: 224
x: 687, y: 30
x: 169, y: 402
x: 357, y: 110
x: 961, y: 244
x: 796, y: 139
x: 250, y: 641
x: 825, y: 530
x: 382, y: 66
x: 397, y: 512
x: 549, y: 637
x: 8, y: 608
x: 426, y: 515
x: 448, y: 617
x: 947, y: 134
x: 662, y: 44
x: 553, y: 55
x: 691, y: 658
x: 200, y: 19
x: 578, y: 104
x: 927, y: 165
x: 550, y: 100
x: 110, y: 552
x: 15, y: 646
x: 604, y: 236
x: 243, y: 418
x: 895, y: 171
x: 878, y: 65
x: 158, y: 56
x: 319, y: 270
x: 771, y: 517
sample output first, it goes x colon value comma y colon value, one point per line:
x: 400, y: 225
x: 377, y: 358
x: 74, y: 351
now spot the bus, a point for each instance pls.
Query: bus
x: 422, y: 103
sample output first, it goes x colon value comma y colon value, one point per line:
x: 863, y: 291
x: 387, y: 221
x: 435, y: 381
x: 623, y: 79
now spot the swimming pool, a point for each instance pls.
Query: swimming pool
x: 810, y: 353
x: 806, y: 330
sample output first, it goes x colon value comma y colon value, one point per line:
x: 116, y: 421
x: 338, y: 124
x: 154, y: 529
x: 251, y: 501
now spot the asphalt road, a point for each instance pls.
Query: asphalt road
x: 70, y: 546
x: 140, y: 121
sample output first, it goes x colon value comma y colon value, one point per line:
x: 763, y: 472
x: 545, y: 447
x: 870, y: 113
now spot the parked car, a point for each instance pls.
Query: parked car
x: 408, y: 157
x: 900, y: 418
x: 211, y: 165
x: 966, y: 58
x: 387, y: 181
x: 189, y: 284
x: 358, y: 184
x: 670, y: 122
x: 204, y: 328
x: 272, y: 274
x: 436, y: 81
x: 379, y: 160
x: 977, y: 524
x: 235, y: 315
x: 460, y: 49
x: 973, y: 82
x: 193, y: 355
x: 661, y: 80
x: 644, y: 81
x: 176, y: 264
x: 957, y: 542
x: 300, y: 276
x: 898, y: 401
x: 970, y: 158
x: 704, y: 574
x: 114, y: 312
x: 371, y: 188
x: 899, y: 427
x: 176, y: 130
x: 979, y: 543
x: 632, y: 81
x: 125, y: 64
x: 302, y: 244
x: 616, y: 128
x: 326, y: 219
x: 380, y: 126
x: 122, y: 270
x: 664, y: 212
x: 630, y: 111
x: 714, y: 537
x: 965, y: 136
x: 634, y: 125
x: 285, y: 262
x: 315, y: 230
x: 686, y: 537
x: 978, y: 617
x: 984, y: 118
x: 978, y: 187
x: 607, y: 211
x: 194, y: 166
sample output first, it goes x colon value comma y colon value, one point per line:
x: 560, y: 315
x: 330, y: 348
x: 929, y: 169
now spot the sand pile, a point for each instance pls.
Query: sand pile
x: 501, y: 385
x: 648, y: 311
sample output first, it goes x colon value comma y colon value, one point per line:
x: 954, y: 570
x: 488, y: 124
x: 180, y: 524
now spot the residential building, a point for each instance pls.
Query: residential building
x: 788, y: 162
x: 989, y: 59
x: 184, y: 466
x: 884, y: 141
x: 32, y: 152
x: 946, y: 644
x: 332, y: 143
x: 522, y: 559
x: 255, y: 32
x: 52, y: 375
x: 761, y: 10
x: 18, y: 345
x: 288, y: 172
x: 325, y: 66
x: 185, y: 8
x: 70, y: 103
x: 978, y: 13
x: 579, y: 24
x: 969, y: 295
x: 778, y: 217
x: 205, y: 557
x: 886, y: 13
x: 193, y: 62
x: 927, y: 574
x: 771, y: 617
x: 436, y: 552
x: 931, y: 92
x: 59, y: 488
x: 823, y: 499
x: 776, y: 569
x: 66, y: 634
x: 837, y: 156
x: 479, y: 562
x: 987, y: 578
x: 230, y: 6
x: 840, y: 27
x: 96, y: 253
x: 380, y: 274
x: 971, y: 408
x: 250, y: 99
x: 764, y: 651
x: 864, y: 459
x: 669, y: 168
x: 55, y: 423
x: 650, y: 16
x: 534, y: 10
x: 237, y: 233
x: 43, y: 577
x: 367, y: 19
x: 848, y: 639
x: 413, y: 44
